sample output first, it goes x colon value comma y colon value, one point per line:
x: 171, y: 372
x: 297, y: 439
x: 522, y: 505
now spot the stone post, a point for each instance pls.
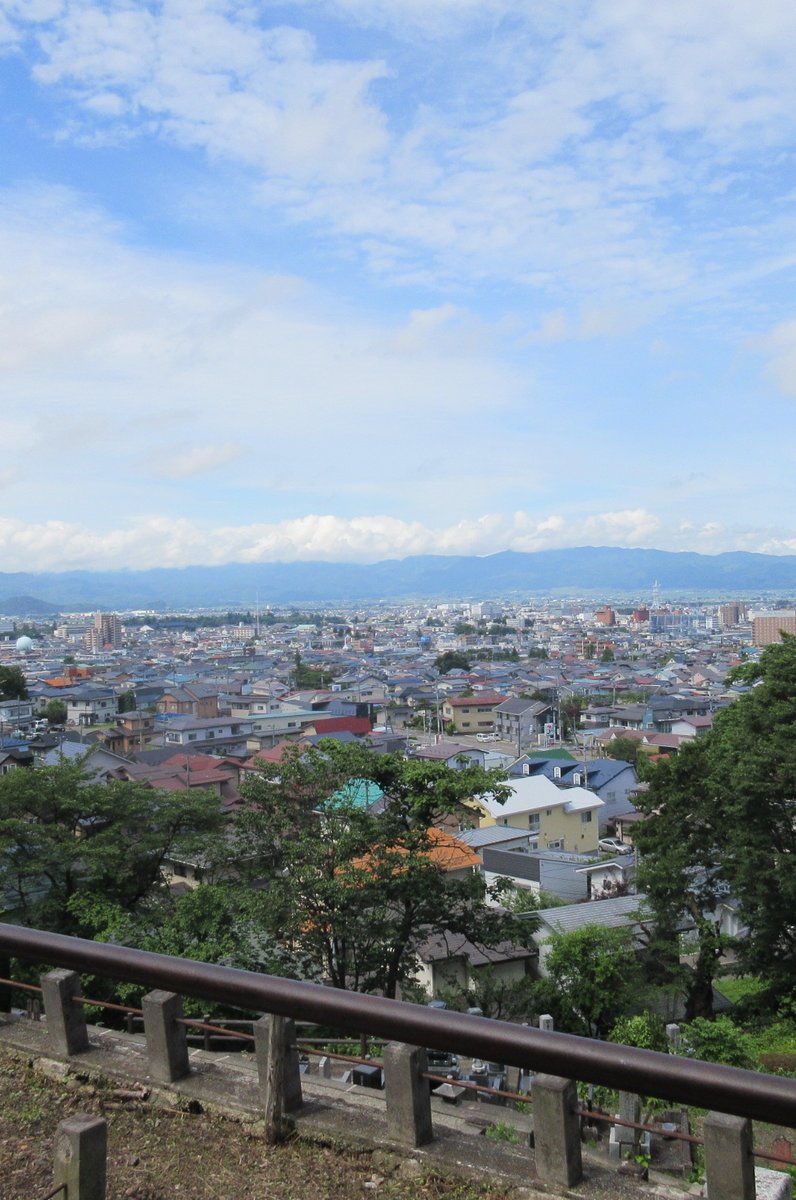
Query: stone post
x: 556, y: 1127
x: 5, y: 988
x: 278, y: 1072
x: 729, y: 1165
x: 66, y: 1021
x: 166, y: 1044
x: 673, y: 1037
x: 408, y: 1095
x: 546, y: 1022
x: 80, y: 1157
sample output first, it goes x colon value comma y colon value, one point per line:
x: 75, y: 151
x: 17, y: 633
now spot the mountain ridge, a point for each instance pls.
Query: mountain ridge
x: 583, y: 569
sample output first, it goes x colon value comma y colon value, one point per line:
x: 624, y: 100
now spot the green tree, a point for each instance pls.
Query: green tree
x: 126, y: 701
x: 307, y: 677
x: 719, y: 1041
x: 452, y: 660
x: 55, y: 712
x: 607, y: 654
x: 589, y: 650
x: 597, y: 974
x: 721, y: 824
x: 360, y: 890
x: 645, y: 1030
x: 64, y: 835
x: 13, y: 685
x: 624, y: 749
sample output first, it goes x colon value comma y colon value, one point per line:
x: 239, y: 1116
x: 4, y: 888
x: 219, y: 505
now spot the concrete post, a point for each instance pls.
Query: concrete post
x: 408, y: 1095
x: 546, y: 1021
x: 729, y: 1165
x: 66, y: 1021
x: 80, y: 1157
x: 5, y: 988
x: 166, y: 1045
x: 278, y: 1071
x: 556, y: 1127
x: 673, y: 1037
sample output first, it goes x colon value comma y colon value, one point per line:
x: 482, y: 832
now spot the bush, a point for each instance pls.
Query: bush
x: 718, y: 1041
x: 647, y: 1031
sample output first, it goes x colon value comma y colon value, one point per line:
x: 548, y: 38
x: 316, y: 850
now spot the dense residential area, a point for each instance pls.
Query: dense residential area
x: 524, y: 808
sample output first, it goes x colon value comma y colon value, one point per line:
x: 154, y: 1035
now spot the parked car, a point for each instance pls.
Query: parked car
x: 612, y: 845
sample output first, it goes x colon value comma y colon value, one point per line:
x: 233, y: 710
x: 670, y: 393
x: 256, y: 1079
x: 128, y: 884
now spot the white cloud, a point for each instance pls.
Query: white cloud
x: 163, y: 541
x: 181, y: 463
x: 549, y: 148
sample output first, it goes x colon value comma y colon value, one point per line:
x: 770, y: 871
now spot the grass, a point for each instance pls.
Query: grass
x: 164, y: 1154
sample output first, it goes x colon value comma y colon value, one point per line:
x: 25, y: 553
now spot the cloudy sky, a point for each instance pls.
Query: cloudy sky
x: 356, y: 279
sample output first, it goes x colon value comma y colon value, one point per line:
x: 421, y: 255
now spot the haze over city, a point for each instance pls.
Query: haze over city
x: 373, y: 278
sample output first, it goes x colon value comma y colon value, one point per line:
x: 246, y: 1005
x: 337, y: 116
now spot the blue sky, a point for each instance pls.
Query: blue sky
x: 366, y: 278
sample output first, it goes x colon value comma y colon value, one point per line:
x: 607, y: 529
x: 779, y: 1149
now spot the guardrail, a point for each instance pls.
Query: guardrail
x: 557, y: 1059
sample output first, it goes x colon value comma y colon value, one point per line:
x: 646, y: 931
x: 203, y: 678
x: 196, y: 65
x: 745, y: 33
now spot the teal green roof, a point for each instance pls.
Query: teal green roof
x: 359, y: 792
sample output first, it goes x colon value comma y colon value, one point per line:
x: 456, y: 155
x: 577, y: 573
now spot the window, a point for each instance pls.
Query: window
x: 585, y: 818
x: 558, y: 844
x: 533, y: 822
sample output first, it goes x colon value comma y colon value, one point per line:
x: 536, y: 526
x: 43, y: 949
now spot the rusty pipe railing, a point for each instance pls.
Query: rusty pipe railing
x: 708, y: 1085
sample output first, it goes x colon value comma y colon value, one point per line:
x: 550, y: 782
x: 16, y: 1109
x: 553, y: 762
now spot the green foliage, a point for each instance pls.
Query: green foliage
x: 126, y: 702
x: 55, y: 712
x: 13, y: 685
x: 502, y: 1131
x: 452, y: 660
x: 721, y: 823
x: 359, y: 891
x: 308, y: 677
x: 502, y: 999
x: 463, y: 627
x: 62, y: 835
x: 607, y: 654
x: 718, y: 1041
x: 645, y: 1030
x: 597, y: 974
x: 213, y: 923
x: 624, y: 749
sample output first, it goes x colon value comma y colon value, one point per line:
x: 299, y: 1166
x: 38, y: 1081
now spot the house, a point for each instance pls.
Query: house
x: 451, y: 960
x: 211, y: 733
x: 455, y: 755
x: 90, y: 705
x: 472, y: 714
x: 521, y: 721
x: 15, y: 714
x: 195, y: 699
x: 557, y: 819
x: 621, y: 912
x: 613, y: 780
x: 556, y: 872
x: 133, y: 729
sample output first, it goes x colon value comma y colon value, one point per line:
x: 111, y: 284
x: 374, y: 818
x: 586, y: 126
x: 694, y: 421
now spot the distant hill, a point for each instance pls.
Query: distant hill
x: 25, y: 606
x: 587, y: 569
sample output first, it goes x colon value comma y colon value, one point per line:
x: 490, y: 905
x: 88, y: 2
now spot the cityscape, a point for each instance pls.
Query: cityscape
x: 397, y: 599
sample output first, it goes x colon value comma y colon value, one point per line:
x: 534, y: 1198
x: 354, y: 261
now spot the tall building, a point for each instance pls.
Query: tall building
x: 106, y: 631
x: 769, y: 627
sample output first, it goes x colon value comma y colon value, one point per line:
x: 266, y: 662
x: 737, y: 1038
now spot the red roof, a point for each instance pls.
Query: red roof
x: 356, y: 725
x: 491, y: 699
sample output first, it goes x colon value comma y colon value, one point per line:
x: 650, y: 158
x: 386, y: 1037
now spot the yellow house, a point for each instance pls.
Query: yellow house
x: 472, y: 714
x: 556, y: 818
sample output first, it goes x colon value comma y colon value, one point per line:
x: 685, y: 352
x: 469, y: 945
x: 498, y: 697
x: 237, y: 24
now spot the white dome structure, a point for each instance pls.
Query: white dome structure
x: 24, y: 644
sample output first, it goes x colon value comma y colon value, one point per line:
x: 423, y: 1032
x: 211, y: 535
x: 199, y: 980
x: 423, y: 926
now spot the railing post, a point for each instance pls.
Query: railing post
x: 408, y: 1095
x: 166, y: 1043
x: 278, y: 1072
x: 80, y: 1157
x: 556, y: 1128
x: 729, y: 1165
x: 66, y: 1021
x: 5, y: 988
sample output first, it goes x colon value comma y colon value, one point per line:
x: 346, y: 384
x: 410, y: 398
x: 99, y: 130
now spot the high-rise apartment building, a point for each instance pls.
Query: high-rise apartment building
x: 106, y: 631
x: 768, y: 627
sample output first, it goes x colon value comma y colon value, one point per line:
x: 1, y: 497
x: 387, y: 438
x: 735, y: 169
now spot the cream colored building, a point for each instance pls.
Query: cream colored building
x: 768, y: 627
x: 556, y: 818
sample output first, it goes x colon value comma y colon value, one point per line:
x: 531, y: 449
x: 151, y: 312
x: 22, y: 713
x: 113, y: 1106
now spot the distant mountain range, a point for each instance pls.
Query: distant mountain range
x: 587, y: 569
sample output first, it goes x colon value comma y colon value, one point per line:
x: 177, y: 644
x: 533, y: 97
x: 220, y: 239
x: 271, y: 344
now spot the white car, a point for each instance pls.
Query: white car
x: 612, y: 845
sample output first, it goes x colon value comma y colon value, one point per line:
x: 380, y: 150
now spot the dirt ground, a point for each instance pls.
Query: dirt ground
x: 156, y: 1154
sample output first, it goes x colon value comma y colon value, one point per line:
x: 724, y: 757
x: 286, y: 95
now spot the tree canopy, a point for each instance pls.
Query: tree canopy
x: 720, y: 826
x: 596, y: 974
x: 360, y: 888
x: 64, y: 838
x: 13, y: 685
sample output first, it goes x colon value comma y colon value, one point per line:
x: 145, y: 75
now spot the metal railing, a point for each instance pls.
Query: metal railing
x: 647, y: 1072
